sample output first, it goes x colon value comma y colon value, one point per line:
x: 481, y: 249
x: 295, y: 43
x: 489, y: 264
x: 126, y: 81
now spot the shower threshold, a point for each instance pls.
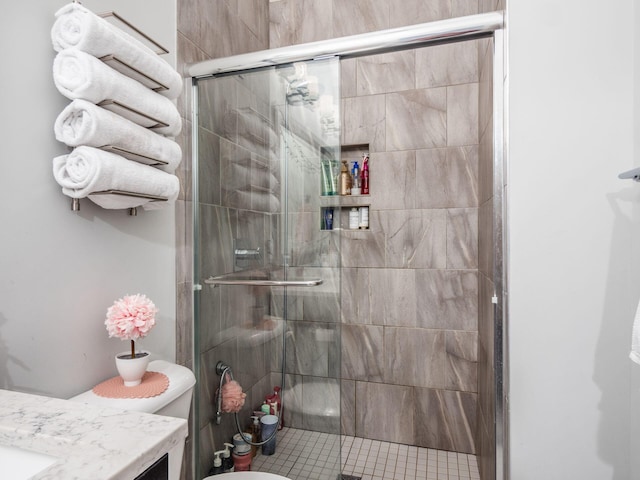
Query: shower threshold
x: 307, y: 455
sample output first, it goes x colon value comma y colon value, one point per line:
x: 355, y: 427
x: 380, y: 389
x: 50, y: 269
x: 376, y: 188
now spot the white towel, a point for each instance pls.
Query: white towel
x: 83, y: 123
x: 79, y: 75
x: 75, y: 26
x: 635, y: 338
x: 88, y: 170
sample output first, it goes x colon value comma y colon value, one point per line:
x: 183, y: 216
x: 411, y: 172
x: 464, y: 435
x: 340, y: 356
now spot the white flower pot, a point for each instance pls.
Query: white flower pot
x: 132, y: 369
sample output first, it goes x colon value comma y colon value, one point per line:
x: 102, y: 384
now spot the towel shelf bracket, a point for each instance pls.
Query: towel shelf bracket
x: 133, y: 211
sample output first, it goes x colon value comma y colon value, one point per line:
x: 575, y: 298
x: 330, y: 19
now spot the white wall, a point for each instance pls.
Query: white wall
x: 575, y: 239
x: 60, y: 270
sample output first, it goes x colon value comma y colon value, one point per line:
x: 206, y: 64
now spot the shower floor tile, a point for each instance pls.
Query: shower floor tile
x: 306, y: 455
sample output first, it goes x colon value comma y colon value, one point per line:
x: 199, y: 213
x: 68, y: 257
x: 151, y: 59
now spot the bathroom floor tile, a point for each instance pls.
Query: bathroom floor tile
x: 307, y: 455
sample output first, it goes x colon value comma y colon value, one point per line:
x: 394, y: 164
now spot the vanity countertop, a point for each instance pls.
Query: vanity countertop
x: 88, y: 441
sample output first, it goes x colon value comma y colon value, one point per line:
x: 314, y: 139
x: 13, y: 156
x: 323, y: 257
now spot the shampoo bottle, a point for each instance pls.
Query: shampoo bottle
x: 364, y: 175
x: 355, y: 179
x: 344, y: 180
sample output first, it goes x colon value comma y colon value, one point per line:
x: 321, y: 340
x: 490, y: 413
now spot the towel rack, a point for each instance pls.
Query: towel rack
x: 131, y: 114
x: 136, y: 157
x: 127, y: 112
x: 123, y: 67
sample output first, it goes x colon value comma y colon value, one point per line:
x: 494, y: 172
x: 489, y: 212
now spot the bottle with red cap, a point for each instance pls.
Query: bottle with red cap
x: 364, y: 175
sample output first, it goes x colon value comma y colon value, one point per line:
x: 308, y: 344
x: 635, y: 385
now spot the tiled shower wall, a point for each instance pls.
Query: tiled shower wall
x: 410, y: 283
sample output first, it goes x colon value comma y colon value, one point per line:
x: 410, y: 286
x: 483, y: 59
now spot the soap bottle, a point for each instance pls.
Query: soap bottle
x: 227, y: 461
x: 217, y: 464
x: 344, y: 180
x: 355, y: 179
x: 254, y: 430
x: 364, y: 175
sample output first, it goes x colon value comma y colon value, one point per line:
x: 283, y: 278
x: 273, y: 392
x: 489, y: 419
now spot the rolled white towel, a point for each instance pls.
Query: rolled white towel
x: 83, y: 123
x: 77, y: 74
x: 87, y: 170
x: 75, y: 26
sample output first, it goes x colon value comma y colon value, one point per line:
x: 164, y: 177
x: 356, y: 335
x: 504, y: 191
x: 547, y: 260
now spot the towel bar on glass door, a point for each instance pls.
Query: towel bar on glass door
x: 229, y: 280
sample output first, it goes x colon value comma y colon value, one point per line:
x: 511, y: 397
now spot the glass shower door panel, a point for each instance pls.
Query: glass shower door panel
x: 310, y: 143
x: 262, y: 136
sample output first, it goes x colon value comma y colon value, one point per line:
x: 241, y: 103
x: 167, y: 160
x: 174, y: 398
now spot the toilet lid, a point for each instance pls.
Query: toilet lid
x: 181, y: 379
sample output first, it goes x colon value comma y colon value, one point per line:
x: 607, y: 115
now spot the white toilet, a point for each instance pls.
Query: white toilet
x: 175, y: 401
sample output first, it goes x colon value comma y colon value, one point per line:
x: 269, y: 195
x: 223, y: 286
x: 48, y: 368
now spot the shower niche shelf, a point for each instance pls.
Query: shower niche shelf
x: 338, y: 207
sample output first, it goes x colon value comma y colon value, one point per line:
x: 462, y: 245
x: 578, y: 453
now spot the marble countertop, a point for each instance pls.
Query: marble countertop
x: 88, y: 441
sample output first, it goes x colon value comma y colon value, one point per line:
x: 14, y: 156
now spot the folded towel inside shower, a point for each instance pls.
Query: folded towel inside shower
x: 86, y: 171
x: 83, y: 123
x: 77, y: 74
x: 635, y: 338
x: 76, y: 26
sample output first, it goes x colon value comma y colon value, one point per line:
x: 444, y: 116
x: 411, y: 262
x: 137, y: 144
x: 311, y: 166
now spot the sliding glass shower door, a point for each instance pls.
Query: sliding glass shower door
x: 267, y: 258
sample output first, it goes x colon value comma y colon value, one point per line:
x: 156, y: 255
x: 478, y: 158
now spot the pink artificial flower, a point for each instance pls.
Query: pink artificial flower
x: 131, y: 317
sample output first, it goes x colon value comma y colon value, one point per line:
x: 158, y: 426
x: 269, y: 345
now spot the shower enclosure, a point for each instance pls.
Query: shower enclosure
x: 393, y: 330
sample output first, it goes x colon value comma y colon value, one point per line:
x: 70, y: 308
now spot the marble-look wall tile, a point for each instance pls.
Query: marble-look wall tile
x: 217, y: 227
x: 356, y: 308
x: 359, y: 16
x: 485, y: 238
x: 184, y: 324
x: 485, y: 87
x: 255, y: 15
x: 445, y: 420
x: 348, y: 76
x: 362, y: 352
x: 462, y: 114
x: 447, y: 177
x: 364, y: 121
x: 485, y: 165
x: 312, y: 349
x: 450, y: 64
x: 414, y: 357
x: 299, y: 21
x: 208, y: 167
x: 184, y: 242
x: 392, y: 180
x: 364, y: 248
x: 388, y: 72
x: 393, y: 297
x: 461, y: 369
x: 185, y: 168
x: 414, y: 238
x: 412, y: 12
x: 447, y: 299
x: 348, y: 407
x: 462, y: 238
x: 217, y: 102
x: 417, y: 119
x: 385, y: 412
x: 235, y: 175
